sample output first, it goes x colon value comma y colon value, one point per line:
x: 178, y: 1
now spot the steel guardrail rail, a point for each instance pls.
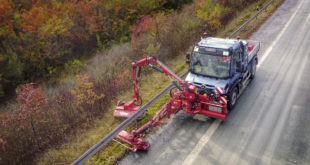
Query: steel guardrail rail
x: 122, y: 126
x: 94, y: 149
x: 250, y: 20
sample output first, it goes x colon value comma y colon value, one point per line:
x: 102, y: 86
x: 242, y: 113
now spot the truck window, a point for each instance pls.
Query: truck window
x: 236, y: 59
x: 210, y: 65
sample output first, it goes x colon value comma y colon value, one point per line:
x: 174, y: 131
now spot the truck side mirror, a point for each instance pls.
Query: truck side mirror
x: 188, y: 56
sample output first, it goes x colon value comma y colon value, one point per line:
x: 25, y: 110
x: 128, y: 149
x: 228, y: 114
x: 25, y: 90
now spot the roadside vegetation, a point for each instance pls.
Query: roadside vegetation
x: 40, y: 38
x: 57, y: 124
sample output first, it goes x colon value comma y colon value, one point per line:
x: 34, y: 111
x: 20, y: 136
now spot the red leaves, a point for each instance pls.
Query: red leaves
x: 31, y: 101
x: 140, y: 27
x: 6, y: 120
x: 29, y: 96
x: 24, y: 129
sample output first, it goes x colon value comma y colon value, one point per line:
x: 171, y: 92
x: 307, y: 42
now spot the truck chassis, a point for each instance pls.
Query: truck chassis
x: 188, y: 97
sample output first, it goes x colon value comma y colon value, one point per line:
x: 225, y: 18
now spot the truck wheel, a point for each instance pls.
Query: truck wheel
x: 253, y: 69
x: 232, y: 98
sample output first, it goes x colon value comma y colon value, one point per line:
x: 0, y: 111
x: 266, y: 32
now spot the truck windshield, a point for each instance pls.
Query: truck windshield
x: 210, y: 65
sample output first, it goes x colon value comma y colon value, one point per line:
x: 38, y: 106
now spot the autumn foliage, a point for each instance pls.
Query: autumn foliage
x: 37, y: 38
x: 83, y: 91
x: 41, y: 39
x: 31, y: 104
x: 39, y: 123
x: 24, y: 120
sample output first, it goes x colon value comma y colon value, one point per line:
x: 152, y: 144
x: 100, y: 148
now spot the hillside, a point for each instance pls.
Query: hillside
x: 41, y: 38
x: 82, y: 85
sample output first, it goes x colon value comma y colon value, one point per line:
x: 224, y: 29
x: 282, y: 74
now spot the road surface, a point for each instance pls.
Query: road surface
x: 271, y: 121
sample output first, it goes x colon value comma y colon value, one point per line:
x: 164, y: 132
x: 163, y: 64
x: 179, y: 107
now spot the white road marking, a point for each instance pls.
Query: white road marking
x: 201, y: 143
x: 268, y: 154
x: 207, y: 136
x: 265, y: 55
x: 308, y: 18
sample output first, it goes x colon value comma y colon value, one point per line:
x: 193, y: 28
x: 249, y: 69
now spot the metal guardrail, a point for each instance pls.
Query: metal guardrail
x: 250, y: 20
x: 122, y: 126
x: 125, y: 123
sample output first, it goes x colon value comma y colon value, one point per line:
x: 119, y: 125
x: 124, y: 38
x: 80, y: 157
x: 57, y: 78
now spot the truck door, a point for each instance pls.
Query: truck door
x: 237, y: 66
x: 244, y: 55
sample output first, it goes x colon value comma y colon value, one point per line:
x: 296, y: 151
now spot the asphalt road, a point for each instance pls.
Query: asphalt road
x: 271, y: 121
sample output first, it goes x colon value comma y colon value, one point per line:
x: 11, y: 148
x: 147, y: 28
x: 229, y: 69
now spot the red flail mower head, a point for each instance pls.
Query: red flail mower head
x: 125, y: 110
x: 135, y: 142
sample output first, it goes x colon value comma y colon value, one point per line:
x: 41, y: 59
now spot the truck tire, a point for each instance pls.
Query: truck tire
x: 232, y: 98
x: 253, y: 71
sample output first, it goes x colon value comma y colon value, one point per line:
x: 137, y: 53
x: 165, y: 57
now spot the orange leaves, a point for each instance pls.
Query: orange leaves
x: 5, y: 8
x: 117, y: 7
x: 47, y: 20
x: 20, y: 48
x: 83, y: 91
x: 33, y: 19
x: 5, y: 13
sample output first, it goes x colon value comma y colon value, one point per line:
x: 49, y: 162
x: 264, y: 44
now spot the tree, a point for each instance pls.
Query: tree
x: 31, y: 106
x: 209, y: 13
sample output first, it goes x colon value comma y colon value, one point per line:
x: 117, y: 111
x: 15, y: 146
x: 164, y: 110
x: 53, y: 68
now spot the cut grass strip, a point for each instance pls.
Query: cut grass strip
x: 150, y: 85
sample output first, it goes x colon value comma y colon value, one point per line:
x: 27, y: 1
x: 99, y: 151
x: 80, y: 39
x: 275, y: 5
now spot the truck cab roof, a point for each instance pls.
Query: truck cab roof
x: 219, y: 43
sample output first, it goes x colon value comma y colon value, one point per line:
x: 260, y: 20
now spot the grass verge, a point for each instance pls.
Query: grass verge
x: 150, y: 86
x: 245, y: 15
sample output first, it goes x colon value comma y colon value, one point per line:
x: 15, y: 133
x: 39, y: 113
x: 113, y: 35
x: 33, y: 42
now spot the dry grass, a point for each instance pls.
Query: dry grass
x: 245, y: 15
x: 77, y: 144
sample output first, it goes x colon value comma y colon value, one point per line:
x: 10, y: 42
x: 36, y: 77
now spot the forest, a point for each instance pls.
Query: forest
x: 93, y: 41
x: 38, y: 37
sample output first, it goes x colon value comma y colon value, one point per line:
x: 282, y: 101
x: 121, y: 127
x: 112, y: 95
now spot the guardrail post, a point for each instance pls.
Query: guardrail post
x: 124, y: 124
x: 250, y: 20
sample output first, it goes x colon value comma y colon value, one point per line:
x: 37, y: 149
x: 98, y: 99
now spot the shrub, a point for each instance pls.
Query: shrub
x: 162, y: 34
x: 73, y: 67
x: 20, y: 129
x: 40, y: 37
x: 210, y: 14
x: 83, y: 92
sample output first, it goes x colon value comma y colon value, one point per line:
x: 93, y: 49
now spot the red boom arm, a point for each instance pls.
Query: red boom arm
x: 157, y: 65
x: 134, y: 140
x: 187, y: 99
